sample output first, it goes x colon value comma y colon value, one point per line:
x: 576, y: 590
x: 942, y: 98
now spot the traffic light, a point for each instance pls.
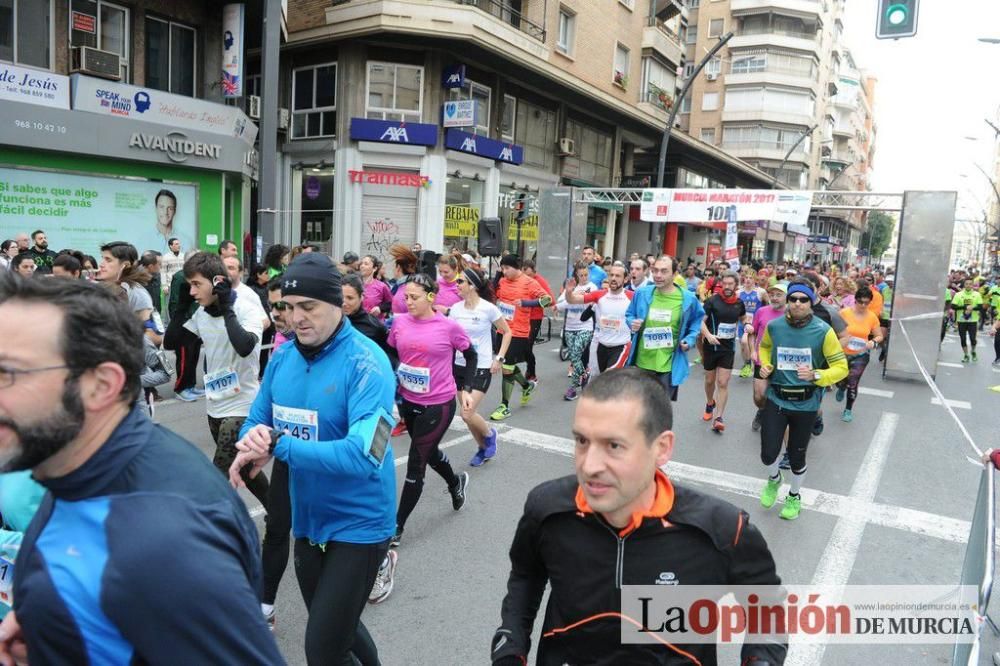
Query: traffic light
x: 896, y: 18
x: 519, y: 207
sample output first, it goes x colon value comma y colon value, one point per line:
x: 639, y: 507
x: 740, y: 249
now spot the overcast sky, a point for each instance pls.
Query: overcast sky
x: 920, y: 141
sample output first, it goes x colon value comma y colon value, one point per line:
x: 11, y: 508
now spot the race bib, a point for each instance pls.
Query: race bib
x: 414, y: 379
x: 611, y: 324
x: 726, y: 331
x: 661, y: 337
x: 222, y: 384
x: 6, y: 581
x: 506, y: 309
x: 856, y: 344
x: 299, y: 423
x: 792, y: 358
x: 665, y: 316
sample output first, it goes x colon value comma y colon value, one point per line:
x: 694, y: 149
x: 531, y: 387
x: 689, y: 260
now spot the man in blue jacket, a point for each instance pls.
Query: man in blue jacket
x: 139, y: 552
x: 665, y: 322
x: 325, y: 409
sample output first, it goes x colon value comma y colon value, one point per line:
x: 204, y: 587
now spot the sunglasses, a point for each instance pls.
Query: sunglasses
x: 280, y: 306
x: 799, y: 299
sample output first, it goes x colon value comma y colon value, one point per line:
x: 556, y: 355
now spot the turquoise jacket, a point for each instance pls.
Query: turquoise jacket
x: 19, y: 499
x: 692, y: 314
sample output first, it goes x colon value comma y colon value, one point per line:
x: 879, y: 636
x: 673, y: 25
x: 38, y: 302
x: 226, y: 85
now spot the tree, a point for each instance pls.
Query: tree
x: 878, y: 233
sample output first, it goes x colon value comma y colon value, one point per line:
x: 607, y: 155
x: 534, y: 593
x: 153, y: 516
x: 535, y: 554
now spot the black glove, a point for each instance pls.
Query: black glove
x: 223, y: 290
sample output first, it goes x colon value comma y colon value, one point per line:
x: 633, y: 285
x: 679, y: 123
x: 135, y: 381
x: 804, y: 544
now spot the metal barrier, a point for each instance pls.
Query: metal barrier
x: 977, y: 569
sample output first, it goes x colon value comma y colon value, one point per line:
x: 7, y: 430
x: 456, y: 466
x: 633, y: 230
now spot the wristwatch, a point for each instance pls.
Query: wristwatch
x: 275, y: 436
x: 816, y: 375
x: 499, y: 359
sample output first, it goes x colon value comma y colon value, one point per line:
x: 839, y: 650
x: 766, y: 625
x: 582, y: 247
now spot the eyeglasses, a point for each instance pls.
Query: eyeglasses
x: 9, y: 375
x: 280, y: 306
x: 803, y: 299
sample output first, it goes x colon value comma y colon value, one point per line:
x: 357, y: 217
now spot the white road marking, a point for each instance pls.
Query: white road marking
x: 951, y: 365
x: 841, y: 550
x: 956, y: 404
x: 876, y: 392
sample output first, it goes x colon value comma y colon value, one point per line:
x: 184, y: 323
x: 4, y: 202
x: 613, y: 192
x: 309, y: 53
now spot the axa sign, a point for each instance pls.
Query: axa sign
x: 393, y: 131
x: 483, y: 146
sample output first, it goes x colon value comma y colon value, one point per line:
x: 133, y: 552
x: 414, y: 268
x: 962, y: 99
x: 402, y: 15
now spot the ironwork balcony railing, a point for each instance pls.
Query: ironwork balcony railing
x: 506, y: 12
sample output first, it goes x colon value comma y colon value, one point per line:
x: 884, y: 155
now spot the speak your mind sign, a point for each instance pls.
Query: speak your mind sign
x: 85, y: 212
x: 712, y: 206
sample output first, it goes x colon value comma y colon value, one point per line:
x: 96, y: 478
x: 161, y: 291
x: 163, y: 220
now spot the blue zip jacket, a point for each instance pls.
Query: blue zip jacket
x: 143, y: 555
x: 691, y: 316
x: 329, y: 404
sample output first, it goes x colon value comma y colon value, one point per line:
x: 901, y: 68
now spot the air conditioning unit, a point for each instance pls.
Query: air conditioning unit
x: 87, y: 60
x: 284, y: 118
x: 567, y: 146
x: 253, y: 107
x: 711, y: 76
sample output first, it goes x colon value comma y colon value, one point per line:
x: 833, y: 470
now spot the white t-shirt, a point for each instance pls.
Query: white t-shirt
x: 612, y: 328
x: 230, y: 380
x: 573, y: 310
x: 245, y: 293
x: 478, y: 325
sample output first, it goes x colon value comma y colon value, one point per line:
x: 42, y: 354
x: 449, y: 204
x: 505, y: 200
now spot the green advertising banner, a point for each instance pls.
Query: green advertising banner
x: 84, y: 212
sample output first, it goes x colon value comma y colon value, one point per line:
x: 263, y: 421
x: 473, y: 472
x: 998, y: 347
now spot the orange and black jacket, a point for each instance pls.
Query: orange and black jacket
x: 688, y: 538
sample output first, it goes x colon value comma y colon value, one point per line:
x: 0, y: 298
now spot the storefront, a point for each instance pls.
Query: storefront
x: 121, y: 163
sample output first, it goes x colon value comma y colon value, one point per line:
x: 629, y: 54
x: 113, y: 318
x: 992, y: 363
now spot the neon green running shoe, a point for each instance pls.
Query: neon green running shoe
x: 528, y: 391
x: 770, y: 492
x: 500, y: 413
x: 746, y: 371
x: 792, y: 507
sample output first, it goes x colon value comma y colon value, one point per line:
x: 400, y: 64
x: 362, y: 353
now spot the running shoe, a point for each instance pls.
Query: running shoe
x: 847, y: 416
x: 396, y: 538
x: 718, y: 426
x: 996, y: 363
x: 696, y: 361
x: 400, y: 429
x: 571, y: 394
x: 965, y: 359
x: 756, y: 420
x: 792, y: 507
x: 818, y: 426
x: 198, y: 391
x: 709, y: 410
x: 585, y: 380
x: 500, y: 413
x: 840, y: 394
x: 491, y: 445
x: 271, y: 619
x: 458, y: 492
x: 974, y: 357
x: 531, y: 378
x: 746, y: 371
x: 188, y: 395
x: 478, y: 458
x: 527, y: 391
x: 383, y: 581
x: 785, y: 462
x: 770, y: 492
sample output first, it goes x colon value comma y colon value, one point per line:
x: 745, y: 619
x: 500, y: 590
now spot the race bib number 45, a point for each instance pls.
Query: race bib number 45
x: 792, y: 358
x: 299, y: 423
x: 658, y: 338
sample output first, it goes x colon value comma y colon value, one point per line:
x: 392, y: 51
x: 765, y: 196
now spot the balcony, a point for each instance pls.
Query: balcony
x: 506, y: 13
x: 779, y: 76
x: 782, y: 39
x: 658, y: 37
x: 764, y: 150
x: 769, y: 115
x: 811, y: 9
x: 667, y: 9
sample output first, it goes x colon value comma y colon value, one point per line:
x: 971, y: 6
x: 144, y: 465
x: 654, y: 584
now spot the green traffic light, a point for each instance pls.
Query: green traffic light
x: 896, y: 14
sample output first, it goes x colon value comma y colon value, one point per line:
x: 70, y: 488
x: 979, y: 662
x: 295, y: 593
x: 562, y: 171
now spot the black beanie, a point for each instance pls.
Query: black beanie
x: 313, y: 275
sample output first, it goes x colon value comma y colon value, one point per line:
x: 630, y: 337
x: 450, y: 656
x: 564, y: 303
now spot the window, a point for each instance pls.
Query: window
x: 693, y: 4
x: 714, y: 66
x: 507, y: 117
x: 659, y: 82
x: 708, y: 135
x: 314, y: 101
x: 567, y: 31
x: 749, y: 64
x: 481, y: 95
x: 593, y: 150
x: 170, y: 56
x: 620, y: 73
x: 770, y: 99
x: 715, y: 27
x: 628, y: 3
x: 764, y: 137
x: 25, y: 32
x: 691, y: 36
x: 252, y: 85
x: 536, y: 131
x: 688, y: 69
x: 111, y: 26
x: 686, y: 104
x: 710, y: 101
x: 395, y: 92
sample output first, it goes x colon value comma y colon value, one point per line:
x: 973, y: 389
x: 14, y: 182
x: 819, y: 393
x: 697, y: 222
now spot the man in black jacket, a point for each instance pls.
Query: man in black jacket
x: 620, y: 521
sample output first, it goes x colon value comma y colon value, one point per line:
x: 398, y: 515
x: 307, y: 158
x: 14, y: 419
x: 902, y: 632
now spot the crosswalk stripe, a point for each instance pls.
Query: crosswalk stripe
x: 876, y: 392
x: 957, y: 404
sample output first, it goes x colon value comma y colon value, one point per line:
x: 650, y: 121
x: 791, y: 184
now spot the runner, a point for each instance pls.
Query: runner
x: 577, y: 332
x: 965, y: 307
x: 753, y: 298
x: 378, y: 296
x: 660, y: 314
x: 719, y: 328
x: 427, y: 342
x: 325, y: 410
x: 637, y: 278
x: 139, y: 552
x: 614, y: 339
x: 478, y: 316
x: 621, y: 520
x: 863, y: 333
x: 800, y: 354
x: 448, y: 268
x: 754, y: 333
x: 537, y: 317
x: 516, y: 295
x: 405, y: 264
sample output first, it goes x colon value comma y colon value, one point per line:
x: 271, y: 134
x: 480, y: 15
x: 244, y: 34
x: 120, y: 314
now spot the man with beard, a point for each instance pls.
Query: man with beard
x: 112, y: 568
x: 723, y: 313
x: 614, y: 338
x: 41, y: 254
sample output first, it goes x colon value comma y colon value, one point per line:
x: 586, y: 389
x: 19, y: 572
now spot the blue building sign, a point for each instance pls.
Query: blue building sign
x: 453, y: 76
x: 484, y: 147
x: 394, y: 131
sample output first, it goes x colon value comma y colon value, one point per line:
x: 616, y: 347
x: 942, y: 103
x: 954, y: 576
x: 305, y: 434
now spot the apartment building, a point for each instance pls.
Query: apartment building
x: 768, y: 97
x: 106, y: 105
x: 411, y: 119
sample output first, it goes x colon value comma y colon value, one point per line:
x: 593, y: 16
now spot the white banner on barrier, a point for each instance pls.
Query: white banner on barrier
x: 712, y: 206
